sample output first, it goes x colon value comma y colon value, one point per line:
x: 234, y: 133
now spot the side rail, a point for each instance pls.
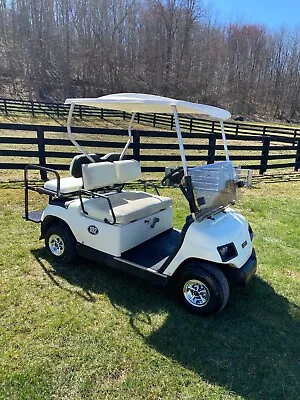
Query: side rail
x: 93, y: 195
x: 144, y: 183
x: 38, y: 189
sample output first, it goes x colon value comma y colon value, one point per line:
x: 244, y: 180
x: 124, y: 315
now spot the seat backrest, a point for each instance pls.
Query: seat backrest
x: 127, y: 170
x: 98, y: 175
x: 101, y: 174
x: 111, y: 157
x: 78, y: 161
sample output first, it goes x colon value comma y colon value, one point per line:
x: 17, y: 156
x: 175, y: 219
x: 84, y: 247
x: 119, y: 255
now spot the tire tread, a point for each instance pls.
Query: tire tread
x: 214, y: 274
x: 65, y: 232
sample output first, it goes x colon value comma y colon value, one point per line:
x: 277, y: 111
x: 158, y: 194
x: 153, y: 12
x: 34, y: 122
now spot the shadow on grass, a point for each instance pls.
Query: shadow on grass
x: 277, y: 178
x: 251, y: 349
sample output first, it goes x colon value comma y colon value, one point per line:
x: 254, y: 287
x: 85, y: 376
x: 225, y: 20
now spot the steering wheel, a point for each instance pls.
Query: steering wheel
x: 174, y: 177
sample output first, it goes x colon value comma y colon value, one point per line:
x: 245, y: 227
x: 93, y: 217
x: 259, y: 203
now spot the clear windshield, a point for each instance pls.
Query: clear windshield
x: 214, y: 187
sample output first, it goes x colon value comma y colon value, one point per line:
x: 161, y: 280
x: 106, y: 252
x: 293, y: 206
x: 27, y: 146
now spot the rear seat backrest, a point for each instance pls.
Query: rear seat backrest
x: 127, y: 170
x: 78, y: 161
x: 98, y: 175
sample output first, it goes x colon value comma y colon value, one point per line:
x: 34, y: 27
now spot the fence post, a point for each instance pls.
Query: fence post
x: 5, y: 107
x: 264, y: 155
x: 211, y: 149
x: 41, y: 149
x: 154, y: 120
x: 249, y: 177
x: 57, y: 109
x: 138, y: 117
x: 295, y: 136
x: 80, y: 112
x: 297, y: 161
x: 191, y: 125
x: 237, y: 129
x: 172, y: 121
x: 136, y: 145
x: 212, y: 126
x: 32, y: 108
x: 102, y: 116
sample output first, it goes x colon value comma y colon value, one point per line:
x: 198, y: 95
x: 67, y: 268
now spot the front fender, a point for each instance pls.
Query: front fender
x: 202, y: 239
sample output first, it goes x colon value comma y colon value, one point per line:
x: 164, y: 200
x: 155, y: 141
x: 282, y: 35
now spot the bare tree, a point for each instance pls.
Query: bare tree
x: 52, y: 49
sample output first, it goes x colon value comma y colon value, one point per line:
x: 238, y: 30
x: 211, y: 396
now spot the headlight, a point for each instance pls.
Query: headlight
x: 250, y: 232
x: 227, y: 251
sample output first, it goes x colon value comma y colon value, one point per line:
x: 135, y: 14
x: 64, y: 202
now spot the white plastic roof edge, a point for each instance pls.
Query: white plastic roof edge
x: 146, y: 103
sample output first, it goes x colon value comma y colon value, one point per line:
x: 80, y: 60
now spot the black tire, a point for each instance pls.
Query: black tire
x: 60, y: 243
x: 203, y: 289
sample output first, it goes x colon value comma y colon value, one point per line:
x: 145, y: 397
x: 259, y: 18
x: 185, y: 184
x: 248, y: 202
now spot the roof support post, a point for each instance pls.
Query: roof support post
x: 179, y: 136
x: 224, y: 140
x: 70, y: 134
x: 130, y: 137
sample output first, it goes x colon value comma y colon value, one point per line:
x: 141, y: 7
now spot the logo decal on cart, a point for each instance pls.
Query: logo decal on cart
x: 93, y: 230
x: 244, y: 244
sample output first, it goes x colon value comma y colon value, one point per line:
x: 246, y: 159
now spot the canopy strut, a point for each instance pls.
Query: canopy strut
x: 130, y: 136
x: 179, y: 136
x: 224, y: 140
x: 70, y: 134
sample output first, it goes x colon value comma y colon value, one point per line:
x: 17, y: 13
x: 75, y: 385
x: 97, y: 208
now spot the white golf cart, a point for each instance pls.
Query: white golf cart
x: 89, y: 213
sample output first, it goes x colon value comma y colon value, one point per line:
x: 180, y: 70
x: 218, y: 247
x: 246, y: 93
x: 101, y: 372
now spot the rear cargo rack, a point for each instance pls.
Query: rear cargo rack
x: 35, y: 216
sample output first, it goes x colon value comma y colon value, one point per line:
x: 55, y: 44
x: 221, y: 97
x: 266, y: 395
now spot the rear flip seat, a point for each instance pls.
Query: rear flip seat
x: 72, y: 184
x: 68, y: 185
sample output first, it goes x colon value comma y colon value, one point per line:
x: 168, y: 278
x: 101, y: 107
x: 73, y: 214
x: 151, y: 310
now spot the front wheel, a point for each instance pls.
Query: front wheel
x: 60, y: 243
x: 203, y: 289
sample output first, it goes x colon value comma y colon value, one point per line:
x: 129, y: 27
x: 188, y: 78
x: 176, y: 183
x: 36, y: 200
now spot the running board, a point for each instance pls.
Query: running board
x: 124, y: 265
x: 33, y: 216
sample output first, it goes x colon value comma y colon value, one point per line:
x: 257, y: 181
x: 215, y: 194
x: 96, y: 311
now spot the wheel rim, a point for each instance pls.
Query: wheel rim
x: 56, y: 245
x: 196, y: 293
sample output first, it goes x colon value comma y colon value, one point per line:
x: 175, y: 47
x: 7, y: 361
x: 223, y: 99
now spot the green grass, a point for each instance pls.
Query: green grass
x: 88, y: 332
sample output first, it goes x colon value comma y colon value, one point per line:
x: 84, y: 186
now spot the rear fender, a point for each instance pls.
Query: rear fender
x: 48, y: 221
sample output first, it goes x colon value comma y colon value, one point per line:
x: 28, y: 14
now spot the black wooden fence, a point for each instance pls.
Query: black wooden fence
x: 50, y: 146
x: 188, y: 124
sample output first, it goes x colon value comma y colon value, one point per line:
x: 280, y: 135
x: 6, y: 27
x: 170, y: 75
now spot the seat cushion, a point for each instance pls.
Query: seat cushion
x: 127, y: 206
x: 67, y: 185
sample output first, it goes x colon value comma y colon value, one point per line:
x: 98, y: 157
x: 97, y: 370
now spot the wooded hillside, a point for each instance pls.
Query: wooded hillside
x: 53, y: 49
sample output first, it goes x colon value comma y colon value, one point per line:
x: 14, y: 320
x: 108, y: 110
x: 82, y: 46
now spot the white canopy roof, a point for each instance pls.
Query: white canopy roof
x: 146, y: 103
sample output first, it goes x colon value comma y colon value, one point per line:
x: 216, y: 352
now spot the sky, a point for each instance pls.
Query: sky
x: 274, y: 14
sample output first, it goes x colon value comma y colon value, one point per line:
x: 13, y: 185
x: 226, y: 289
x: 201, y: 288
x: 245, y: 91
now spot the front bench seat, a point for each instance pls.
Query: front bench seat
x: 127, y: 206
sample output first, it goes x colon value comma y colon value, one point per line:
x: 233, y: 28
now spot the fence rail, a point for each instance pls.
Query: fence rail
x: 49, y: 146
x: 188, y: 124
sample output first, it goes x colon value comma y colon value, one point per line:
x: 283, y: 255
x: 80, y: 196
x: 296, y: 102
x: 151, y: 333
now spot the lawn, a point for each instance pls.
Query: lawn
x: 88, y: 332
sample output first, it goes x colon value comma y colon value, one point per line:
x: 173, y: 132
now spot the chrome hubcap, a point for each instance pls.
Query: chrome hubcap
x: 56, y: 245
x: 196, y: 293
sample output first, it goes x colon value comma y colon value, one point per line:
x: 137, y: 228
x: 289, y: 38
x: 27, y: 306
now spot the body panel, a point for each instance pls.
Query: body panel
x: 203, y: 238
x: 111, y: 239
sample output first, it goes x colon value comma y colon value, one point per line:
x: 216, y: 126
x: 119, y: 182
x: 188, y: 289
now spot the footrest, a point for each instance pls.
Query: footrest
x: 34, y: 216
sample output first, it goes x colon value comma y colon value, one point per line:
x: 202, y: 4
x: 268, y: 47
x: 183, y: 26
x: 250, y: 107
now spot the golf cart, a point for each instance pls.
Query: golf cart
x: 91, y: 214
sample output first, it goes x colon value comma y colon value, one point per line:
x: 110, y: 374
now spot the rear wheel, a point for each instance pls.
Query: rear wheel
x: 203, y: 289
x: 60, y: 243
